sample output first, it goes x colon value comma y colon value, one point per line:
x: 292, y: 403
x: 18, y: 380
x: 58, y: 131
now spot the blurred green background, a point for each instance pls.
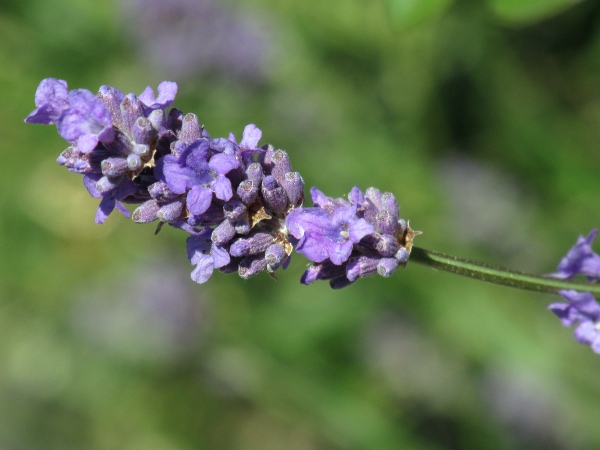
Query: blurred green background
x: 482, y: 117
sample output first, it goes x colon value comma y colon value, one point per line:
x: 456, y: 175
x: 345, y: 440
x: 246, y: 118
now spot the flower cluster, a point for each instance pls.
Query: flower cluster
x: 241, y: 204
x: 581, y: 307
x: 113, y: 137
x: 353, y: 238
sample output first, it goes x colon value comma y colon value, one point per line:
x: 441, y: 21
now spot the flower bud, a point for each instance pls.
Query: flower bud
x: 273, y: 195
x: 361, y: 266
x: 143, y: 131
x: 114, y: 167
x: 157, y: 118
x: 252, y: 245
x: 234, y: 210
x: 255, y: 173
x: 293, y: 184
x: 130, y: 111
x: 384, y: 222
x: 146, y: 212
x: 274, y: 255
x: 401, y: 255
x: 223, y: 233
x: 106, y: 184
x: 134, y: 162
x: 322, y: 271
x: 142, y: 150
x: 161, y: 192
x: 190, y: 129
x: 251, y: 265
x: 280, y: 165
x: 248, y: 191
x: 387, y: 266
x: 387, y: 245
x: 170, y: 212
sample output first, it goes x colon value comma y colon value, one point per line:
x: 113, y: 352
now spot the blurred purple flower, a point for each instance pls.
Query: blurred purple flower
x: 147, y: 314
x: 581, y: 307
x: 191, y: 37
x: 580, y: 260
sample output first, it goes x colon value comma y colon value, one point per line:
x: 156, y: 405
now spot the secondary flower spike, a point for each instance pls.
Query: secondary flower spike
x: 581, y: 308
x: 240, y: 203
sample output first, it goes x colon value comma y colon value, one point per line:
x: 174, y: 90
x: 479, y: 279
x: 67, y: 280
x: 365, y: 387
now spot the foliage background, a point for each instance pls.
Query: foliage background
x: 482, y: 117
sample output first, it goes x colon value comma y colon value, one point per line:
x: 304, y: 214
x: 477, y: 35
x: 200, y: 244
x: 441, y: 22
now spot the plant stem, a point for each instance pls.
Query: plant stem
x: 498, y: 275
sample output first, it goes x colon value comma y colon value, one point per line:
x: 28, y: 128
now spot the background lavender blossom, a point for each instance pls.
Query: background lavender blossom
x: 358, y: 96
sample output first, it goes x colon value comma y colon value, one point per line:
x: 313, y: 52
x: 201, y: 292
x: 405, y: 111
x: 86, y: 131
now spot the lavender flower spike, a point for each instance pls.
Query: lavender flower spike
x: 581, y: 307
x: 241, y: 204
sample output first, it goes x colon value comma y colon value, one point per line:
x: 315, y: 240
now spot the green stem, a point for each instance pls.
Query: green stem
x: 496, y: 275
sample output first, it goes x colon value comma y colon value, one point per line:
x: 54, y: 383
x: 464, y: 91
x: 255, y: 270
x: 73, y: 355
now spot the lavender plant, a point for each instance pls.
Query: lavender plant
x: 242, y: 205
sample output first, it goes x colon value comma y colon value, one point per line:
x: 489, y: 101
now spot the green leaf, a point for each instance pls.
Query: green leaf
x: 529, y: 10
x: 409, y: 13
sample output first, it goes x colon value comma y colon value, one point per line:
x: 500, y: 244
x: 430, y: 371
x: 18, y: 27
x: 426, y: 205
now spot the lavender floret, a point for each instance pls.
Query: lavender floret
x: 357, y: 234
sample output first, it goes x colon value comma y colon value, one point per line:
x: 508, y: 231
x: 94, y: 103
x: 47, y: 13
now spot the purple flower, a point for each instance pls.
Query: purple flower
x: 86, y: 121
x: 580, y: 259
x: 581, y: 307
x: 353, y: 238
x: 205, y: 255
x: 235, y: 43
x: 198, y: 174
x: 324, y: 236
x: 111, y: 195
x: 51, y: 100
x: 166, y: 95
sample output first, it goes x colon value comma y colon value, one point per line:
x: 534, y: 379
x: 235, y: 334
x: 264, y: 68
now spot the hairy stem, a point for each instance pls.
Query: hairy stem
x: 498, y: 275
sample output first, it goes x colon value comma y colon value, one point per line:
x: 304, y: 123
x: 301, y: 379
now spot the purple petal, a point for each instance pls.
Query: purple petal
x: 51, y: 99
x: 312, y: 248
x: 166, y: 95
x: 198, y: 199
x: 204, y: 269
x: 223, y: 163
x: 222, y: 188
x: 250, y: 137
x: 220, y: 256
x: 356, y: 196
x: 318, y: 198
x: 89, y: 181
x: 86, y: 115
x: 198, y: 244
x: 174, y: 174
x: 359, y: 229
x: 585, y: 333
x: 106, y: 207
x: 580, y: 259
x: 300, y: 220
x: 339, y: 252
x: 561, y: 310
x: 122, y: 209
